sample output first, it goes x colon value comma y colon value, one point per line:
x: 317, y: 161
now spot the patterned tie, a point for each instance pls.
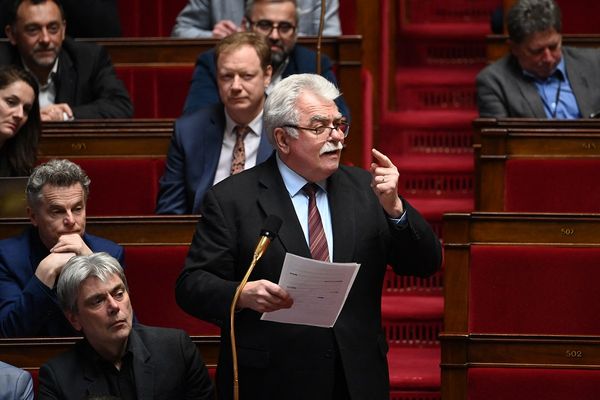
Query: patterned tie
x: 316, y: 233
x: 238, y: 157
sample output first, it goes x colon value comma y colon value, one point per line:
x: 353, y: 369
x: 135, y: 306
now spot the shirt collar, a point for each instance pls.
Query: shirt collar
x: 255, y: 124
x: 51, y: 75
x: 292, y: 181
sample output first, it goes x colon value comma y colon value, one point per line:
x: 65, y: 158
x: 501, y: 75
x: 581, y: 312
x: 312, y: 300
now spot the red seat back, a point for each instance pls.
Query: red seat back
x: 153, y: 18
x: 534, y: 290
x: 156, y: 91
x: 122, y: 186
x: 151, y: 274
x: 558, y: 186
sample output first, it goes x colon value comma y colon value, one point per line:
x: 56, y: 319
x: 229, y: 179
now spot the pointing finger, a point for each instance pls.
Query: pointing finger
x: 381, y: 158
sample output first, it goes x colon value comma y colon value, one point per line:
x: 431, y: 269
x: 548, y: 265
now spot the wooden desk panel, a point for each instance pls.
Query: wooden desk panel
x: 32, y: 353
x: 134, y: 231
x: 462, y: 349
x: 534, y: 139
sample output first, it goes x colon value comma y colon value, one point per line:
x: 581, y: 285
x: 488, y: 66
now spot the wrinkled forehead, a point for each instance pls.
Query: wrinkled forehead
x: 313, y: 108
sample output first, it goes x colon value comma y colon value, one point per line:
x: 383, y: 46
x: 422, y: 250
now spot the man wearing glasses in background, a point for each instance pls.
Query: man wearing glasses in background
x: 277, y: 20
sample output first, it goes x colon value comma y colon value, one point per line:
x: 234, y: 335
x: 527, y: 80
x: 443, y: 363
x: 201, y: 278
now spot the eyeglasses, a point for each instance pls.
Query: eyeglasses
x: 343, y: 127
x: 264, y: 26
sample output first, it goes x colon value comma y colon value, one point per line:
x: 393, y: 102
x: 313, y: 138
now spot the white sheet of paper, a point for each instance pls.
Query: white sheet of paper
x: 319, y: 290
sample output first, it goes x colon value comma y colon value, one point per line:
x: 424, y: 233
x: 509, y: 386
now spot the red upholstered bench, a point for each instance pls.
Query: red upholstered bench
x: 156, y: 91
x: 530, y: 383
x: 151, y: 274
x: 534, y: 289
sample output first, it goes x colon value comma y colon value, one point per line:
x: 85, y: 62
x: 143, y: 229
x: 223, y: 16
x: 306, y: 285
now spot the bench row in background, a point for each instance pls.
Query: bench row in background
x: 156, y: 18
x: 157, y: 73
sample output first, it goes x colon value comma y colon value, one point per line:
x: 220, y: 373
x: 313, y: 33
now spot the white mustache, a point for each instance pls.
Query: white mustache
x: 331, y: 146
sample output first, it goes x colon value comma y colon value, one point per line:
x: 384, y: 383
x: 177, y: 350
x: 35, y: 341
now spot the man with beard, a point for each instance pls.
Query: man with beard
x: 31, y: 262
x: 278, y: 21
x: 540, y: 78
x: 76, y: 80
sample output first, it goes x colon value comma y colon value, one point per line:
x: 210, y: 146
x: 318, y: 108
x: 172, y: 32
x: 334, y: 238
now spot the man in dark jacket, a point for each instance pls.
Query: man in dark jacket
x: 76, y: 80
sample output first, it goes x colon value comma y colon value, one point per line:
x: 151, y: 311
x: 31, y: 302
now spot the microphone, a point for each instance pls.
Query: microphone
x: 267, y: 234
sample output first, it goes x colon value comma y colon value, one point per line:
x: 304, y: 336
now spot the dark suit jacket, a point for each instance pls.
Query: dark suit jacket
x: 503, y: 90
x: 193, y: 159
x: 284, y: 361
x: 203, y: 91
x: 166, y: 365
x: 86, y: 80
x: 27, y: 306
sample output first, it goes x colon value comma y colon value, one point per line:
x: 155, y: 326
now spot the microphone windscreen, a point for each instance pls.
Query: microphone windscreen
x: 271, y: 226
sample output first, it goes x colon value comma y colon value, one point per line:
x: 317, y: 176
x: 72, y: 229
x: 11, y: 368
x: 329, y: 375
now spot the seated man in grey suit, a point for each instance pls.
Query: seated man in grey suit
x: 15, y: 383
x: 540, y: 78
x: 214, y: 142
x: 117, y: 358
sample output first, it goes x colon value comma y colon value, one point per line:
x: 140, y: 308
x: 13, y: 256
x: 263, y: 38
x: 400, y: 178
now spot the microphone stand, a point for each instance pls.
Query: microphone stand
x: 260, y: 250
x: 320, y: 36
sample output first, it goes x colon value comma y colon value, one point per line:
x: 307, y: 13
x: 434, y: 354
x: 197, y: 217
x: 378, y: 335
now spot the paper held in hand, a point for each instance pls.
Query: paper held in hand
x: 319, y: 290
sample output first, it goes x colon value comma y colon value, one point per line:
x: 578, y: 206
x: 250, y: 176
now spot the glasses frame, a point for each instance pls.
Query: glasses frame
x: 254, y: 26
x: 322, y: 128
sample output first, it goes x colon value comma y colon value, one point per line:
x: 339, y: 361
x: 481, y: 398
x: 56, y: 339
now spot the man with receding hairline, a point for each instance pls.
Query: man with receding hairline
x: 76, y: 79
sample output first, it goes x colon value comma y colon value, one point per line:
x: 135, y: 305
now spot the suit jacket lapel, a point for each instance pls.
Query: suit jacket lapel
x: 579, y: 83
x: 341, y: 206
x: 274, y: 200
x: 212, y: 139
x: 143, y: 370
x: 66, y: 85
x: 528, y: 90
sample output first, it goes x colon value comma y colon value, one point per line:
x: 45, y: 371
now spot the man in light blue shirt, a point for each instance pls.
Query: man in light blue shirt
x: 540, y: 78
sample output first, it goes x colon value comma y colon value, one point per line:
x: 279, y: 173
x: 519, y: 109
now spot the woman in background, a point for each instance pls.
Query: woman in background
x: 20, y: 125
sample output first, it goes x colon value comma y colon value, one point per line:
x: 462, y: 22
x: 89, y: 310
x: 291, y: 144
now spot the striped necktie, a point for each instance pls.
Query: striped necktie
x: 316, y: 234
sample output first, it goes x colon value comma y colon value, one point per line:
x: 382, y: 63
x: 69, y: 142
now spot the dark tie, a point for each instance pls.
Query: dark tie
x: 316, y: 233
x: 238, y: 157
